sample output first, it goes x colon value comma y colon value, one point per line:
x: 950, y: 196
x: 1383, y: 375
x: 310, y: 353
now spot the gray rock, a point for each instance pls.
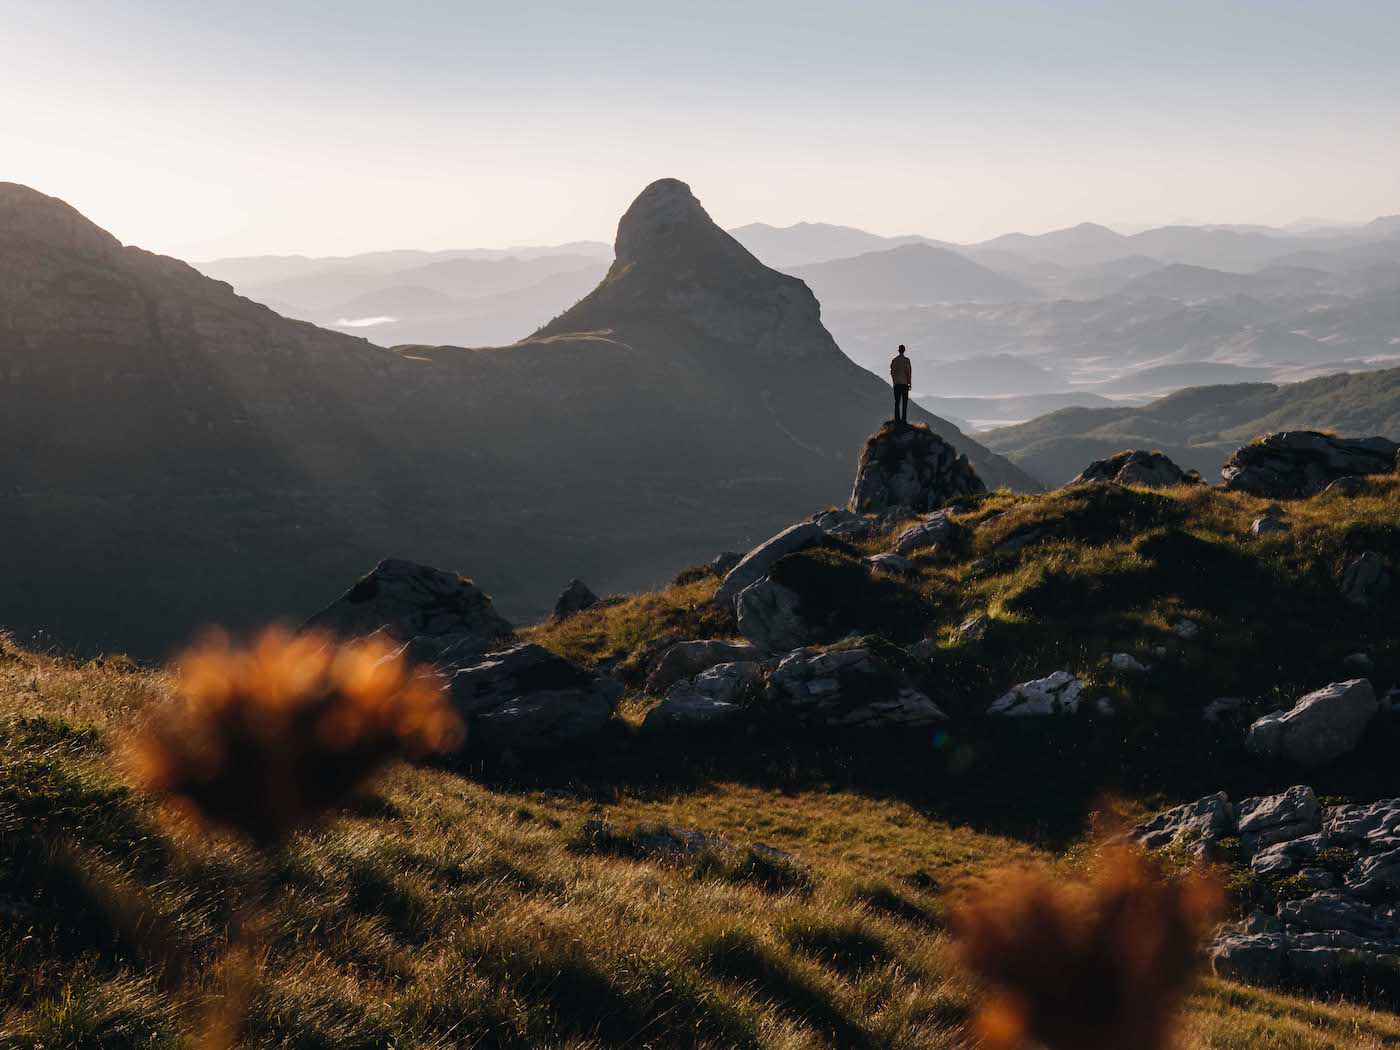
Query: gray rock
x: 755, y: 565
x: 656, y: 839
x: 1252, y: 958
x: 686, y: 708
x: 1295, y: 463
x: 1358, y: 663
x: 574, y: 598
x: 910, y: 468
x: 937, y: 530
x: 1151, y: 469
x: 1314, y: 967
x: 1354, y: 825
x: 846, y: 524
x: 1375, y: 876
x: 974, y: 628
x: 1264, y: 526
x: 847, y: 687
x: 895, y: 564
x: 1056, y: 694
x: 1321, y: 727
x: 1366, y: 580
x: 685, y: 660
x: 1347, y: 486
x: 1186, y: 629
x: 406, y: 600
x: 1280, y: 858
x: 1270, y: 819
x: 1259, y: 921
x: 770, y: 616
x: 1205, y: 821
x: 528, y: 698
x: 1330, y: 910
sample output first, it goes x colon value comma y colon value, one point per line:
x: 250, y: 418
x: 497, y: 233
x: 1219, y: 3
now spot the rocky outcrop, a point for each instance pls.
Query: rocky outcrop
x: 527, y: 698
x: 1295, y: 463
x: 1319, y: 728
x: 910, y: 468
x: 1332, y: 875
x: 406, y: 600
x: 685, y: 660
x: 574, y: 598
x: 838, y: 688
x: 755, y: 565
x: 1152, y: 469
x: 1057, y: 694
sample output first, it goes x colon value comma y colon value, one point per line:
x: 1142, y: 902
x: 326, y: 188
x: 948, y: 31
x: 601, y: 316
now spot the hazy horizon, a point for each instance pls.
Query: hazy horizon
x: 281, y: 129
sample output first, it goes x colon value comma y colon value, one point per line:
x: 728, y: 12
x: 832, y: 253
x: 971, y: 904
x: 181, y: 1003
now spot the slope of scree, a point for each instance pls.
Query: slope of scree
x: 181, y: 455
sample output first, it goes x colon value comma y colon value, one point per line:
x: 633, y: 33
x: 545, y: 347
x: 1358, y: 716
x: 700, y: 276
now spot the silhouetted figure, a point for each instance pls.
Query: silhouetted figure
x: 902, y: 375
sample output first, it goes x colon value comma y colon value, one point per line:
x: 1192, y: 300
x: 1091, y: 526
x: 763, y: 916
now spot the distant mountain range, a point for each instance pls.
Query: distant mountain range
x: 177, y: 452
x: 1200, y: 426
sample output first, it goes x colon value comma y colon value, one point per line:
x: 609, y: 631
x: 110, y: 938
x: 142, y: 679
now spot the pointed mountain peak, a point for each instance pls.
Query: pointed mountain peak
x: 666, y: 225
x: 35, y: 216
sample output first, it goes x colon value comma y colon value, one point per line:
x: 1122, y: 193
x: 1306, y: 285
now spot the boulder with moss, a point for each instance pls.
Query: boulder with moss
x: 868, y: 686
x: 1292, y: 464
x: 907, y: 467
x: 405, y: 600
x: 1136, y: 467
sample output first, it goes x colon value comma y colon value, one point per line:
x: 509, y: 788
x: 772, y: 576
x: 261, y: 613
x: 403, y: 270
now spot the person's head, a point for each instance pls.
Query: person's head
x: 901, y: 349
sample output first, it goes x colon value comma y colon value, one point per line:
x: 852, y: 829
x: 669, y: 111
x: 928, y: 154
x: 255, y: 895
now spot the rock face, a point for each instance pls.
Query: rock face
x: 1057, y: 694
x: 837, y: 688
x: 1338, y: 926
x: 574, y: 598
x: 1295, y: 463
x: 527, y: 698
x: 1366, y: 581
x: 406, y: 600
x: 755, y: 565
x: 910, y: 468
x: 1152, y: 469
x: 1321, y: 726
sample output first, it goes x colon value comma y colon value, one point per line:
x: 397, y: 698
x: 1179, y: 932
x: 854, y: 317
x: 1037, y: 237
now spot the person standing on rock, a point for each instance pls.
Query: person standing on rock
x: 902, y: 375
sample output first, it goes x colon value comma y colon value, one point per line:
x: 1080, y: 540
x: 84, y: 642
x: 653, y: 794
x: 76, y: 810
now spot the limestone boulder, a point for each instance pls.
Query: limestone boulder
x: 685, y: 660
x: 1056, y: 694
x: 1320, y: 728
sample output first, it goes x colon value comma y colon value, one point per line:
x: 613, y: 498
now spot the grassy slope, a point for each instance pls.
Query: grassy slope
x: 450, y: 909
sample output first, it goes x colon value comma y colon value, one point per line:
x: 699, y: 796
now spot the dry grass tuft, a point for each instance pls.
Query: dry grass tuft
x: 1099, y: 965
x: 273, y: 735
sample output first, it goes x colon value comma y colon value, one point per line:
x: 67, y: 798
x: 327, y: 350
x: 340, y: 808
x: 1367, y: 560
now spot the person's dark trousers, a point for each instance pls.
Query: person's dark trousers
x: 901, y: 403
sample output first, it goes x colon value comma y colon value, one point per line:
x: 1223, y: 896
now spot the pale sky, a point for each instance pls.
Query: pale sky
x: 206, y: 129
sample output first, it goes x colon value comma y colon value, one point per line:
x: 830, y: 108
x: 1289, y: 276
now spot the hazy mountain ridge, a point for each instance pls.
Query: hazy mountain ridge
x: 1200, y: 426
x: 166, y: 430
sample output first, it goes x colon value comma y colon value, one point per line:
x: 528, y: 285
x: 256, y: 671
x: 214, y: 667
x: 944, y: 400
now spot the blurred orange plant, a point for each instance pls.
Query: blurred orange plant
x: 1098, y: 964
x: 274, y: 734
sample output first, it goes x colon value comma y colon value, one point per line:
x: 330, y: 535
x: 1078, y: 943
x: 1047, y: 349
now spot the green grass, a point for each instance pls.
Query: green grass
x: 458, y: 907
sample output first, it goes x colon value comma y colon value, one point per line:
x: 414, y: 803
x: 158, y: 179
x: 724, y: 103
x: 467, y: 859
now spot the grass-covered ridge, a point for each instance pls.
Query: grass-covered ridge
x: 461, y: 906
